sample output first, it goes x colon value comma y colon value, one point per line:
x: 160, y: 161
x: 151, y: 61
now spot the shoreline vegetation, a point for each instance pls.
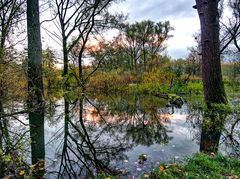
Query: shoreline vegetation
x: 198, y: 165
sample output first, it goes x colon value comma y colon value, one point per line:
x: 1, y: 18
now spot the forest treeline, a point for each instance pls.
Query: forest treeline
x: 134, y: 60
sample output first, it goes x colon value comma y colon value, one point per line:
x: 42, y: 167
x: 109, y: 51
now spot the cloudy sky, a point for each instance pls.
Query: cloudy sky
x: 179, y: 12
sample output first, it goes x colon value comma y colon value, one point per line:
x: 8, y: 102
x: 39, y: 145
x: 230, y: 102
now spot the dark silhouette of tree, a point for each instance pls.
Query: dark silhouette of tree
x: 11, y: 13
x: 76, y: 21
x: 84, y: 152
x: 35, y: 84
x: 211, y: 65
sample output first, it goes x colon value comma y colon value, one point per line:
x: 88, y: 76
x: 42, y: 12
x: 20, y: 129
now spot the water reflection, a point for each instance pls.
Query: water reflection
x: 11, y: 146
x: 210, y: 137
x: 87, y: 135
x: 36, y: 123
x: 98, y: 135
x: 218, y: 130
x: 85, y: 150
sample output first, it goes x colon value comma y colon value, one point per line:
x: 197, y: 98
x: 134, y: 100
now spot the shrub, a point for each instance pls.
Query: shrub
x: 110, y: 81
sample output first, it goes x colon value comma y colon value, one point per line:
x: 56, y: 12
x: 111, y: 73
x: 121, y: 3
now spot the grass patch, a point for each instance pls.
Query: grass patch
x: 199, y: 166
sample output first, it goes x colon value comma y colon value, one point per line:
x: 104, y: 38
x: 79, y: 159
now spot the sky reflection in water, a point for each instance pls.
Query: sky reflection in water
x: 89, y: 135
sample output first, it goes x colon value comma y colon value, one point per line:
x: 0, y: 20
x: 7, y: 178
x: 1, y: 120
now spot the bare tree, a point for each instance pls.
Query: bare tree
x: 231, y: 30
x: 77, y: 19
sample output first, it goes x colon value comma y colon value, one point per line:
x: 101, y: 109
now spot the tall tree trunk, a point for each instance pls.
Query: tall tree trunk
x: 214, y: 92
x: 211, y: 63
x: 35, y: 82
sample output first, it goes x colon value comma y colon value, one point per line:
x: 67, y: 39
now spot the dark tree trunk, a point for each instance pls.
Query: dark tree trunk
x: 35, y: 83
x: 211, y: 63
x: 36, y: 121
x: 65, y: 57
x: 211, y: 74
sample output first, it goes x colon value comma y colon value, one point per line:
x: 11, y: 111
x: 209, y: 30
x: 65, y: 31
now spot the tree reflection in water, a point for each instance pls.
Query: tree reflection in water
x: 12, y: 140
x: 86, y: 151
x: 98, y: 142
x: 218, y: 130
x: 99, y: 133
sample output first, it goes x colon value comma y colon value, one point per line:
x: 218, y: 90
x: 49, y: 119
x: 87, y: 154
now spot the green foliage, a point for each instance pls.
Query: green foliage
x: 148, y: 88
x: 51, y: 75
x: 155, y: 80
x: 174, y: 97
x: 200, y: 166
x: 157, y: 76
x: 138, y: 44
x: 194, y: 87
x: 13, y: 82
x: 231, y: 76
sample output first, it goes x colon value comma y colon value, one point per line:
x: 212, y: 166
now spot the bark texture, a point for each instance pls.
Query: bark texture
x: 35, y: 83
x: 211, y: 63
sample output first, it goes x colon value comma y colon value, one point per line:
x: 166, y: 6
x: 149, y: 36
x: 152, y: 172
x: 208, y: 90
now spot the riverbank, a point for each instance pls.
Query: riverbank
x: 199, y: 165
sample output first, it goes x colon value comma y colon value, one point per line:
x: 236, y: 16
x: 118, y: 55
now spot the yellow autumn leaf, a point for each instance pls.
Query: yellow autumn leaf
x: 22, y: 172
x: 161, y: 168
x: 108, y: 178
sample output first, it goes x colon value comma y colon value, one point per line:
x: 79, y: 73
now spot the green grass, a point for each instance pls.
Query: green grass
x: 199, y: 166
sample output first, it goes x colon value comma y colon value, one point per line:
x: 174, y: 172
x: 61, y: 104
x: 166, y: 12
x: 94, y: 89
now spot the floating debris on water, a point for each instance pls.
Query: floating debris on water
x: 139, y: 169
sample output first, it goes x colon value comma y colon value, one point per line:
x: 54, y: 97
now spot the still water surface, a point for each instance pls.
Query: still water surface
x: 120, y: 135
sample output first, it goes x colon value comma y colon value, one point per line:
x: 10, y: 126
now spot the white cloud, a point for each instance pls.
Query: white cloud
x: 183, y: 36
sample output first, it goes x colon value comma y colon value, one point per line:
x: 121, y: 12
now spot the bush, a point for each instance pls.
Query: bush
x: 110, y: 81
x: 157, y: 76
